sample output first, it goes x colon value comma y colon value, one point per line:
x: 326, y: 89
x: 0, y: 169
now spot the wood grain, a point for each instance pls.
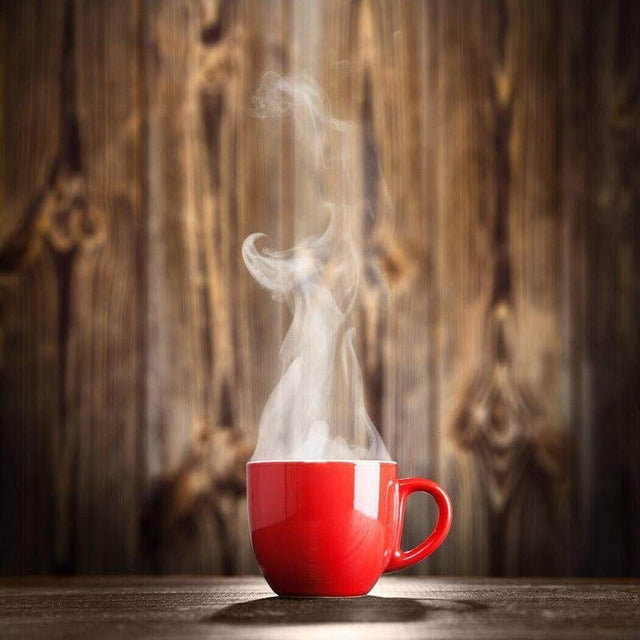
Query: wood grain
x: 246, y: 608
x: 106, y: 292
x: 609, y: 237
x: 31, y: 73
x: 496, y: 162
x: 501, y: 274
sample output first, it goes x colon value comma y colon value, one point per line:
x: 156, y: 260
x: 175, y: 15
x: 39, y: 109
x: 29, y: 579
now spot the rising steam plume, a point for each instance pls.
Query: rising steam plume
x: 317, y: 410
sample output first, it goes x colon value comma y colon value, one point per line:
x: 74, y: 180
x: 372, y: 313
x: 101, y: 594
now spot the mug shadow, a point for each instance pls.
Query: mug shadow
x: 296, y: 611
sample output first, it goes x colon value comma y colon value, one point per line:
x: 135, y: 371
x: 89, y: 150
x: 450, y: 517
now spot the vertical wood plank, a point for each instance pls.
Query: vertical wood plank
x: 30, y: 361
x: 502, y: 404
x: 611, y: 243
x: 536, y: 528
x: 178, y: 325
x: 106, y: 289
x: 575, y: 146
x: 465, y: 216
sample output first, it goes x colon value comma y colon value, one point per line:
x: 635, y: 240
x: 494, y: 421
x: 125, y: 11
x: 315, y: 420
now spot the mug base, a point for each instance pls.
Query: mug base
x: 289, y: 596
x: 337, y: 592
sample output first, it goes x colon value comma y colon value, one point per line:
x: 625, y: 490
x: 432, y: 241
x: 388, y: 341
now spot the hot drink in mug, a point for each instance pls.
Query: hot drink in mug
x: 326, y: 507
x: 332, y: 528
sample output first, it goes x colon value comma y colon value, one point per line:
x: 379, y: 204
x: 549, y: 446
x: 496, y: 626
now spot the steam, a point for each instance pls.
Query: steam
x: 316, y: 411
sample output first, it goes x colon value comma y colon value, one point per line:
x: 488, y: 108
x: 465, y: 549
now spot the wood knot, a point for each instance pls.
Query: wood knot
x: 210, y: 34
x: 60, y: 216
x: 222, y: 41
x: 502, y: 87
x: 68, y: 220
x: 503, y: 423
x: 398, y: 263
x: 215, y: 19
x: 213, y: 468
x: 624, y: 108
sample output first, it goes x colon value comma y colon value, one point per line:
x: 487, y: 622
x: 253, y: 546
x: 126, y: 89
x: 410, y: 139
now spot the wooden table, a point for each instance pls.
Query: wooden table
x: 398, y: 608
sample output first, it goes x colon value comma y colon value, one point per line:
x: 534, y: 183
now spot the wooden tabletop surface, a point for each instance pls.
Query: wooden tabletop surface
x: 398, y: 608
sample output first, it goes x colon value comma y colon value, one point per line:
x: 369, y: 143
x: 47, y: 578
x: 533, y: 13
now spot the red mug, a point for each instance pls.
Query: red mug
x: 333, y: 528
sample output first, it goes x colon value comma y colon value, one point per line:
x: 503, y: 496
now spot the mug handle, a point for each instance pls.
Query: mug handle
x: 402, y: 559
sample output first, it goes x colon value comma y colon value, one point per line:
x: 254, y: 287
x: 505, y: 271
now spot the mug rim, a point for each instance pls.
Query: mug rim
x: 329, y: 461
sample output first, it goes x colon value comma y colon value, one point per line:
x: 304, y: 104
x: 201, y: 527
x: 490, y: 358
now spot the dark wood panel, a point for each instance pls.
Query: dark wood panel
x: 33, y: 435
x: 76, y: 248
x: 610, y: 238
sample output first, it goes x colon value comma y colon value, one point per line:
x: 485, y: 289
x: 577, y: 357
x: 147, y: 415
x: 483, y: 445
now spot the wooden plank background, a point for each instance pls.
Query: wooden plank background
x: 136, y: 353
